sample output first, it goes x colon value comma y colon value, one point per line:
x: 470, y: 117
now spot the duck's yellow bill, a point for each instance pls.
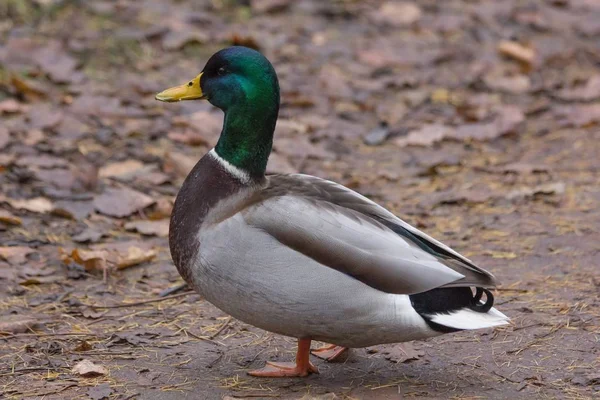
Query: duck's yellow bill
x: 188, y: 91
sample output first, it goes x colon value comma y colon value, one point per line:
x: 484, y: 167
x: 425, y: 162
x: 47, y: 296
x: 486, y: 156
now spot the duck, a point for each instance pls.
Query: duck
x: 302, y: 256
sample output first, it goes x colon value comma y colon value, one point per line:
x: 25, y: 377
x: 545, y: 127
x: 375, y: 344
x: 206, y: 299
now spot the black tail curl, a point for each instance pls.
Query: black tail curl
x: 489, y: 301
x: 447, y: 300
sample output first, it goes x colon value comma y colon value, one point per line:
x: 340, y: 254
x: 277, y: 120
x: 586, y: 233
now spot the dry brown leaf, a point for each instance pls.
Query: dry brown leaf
x: 158, y: 228
x: 56, y: 62
x: 178, y: 163
x: 425, y: 136
x: 587, y: 92
x: 37, y: 204
x: 279, y: 164
x: 517, y: 51
x: 579, y: 115
x: 88, y: 369
x: 5, y: 161
x: 9, y: 219
x: 162, y: 209
x: 45, y: 116
x: 4, y: 137
x: 122, y: 169
x: 269, y: 6
x: 15, y: 254
x: 544, y: 189
x: 506, y: 255
x: 100, y: 392
x: 135, y: 256
x: 178, y: 37
x: 401, y: 352
x: 27, y: 87
x: 12, y: 106
x: 515, y: 84
x: 91, y: 260
x: 42, y: 161
x: 397, y: 13
x: 121, y: 202
x: 16, y: 324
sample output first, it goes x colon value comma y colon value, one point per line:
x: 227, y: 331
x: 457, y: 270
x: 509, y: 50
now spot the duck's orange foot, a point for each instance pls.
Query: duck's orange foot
x: 285, y: 369
x: 331, y: 353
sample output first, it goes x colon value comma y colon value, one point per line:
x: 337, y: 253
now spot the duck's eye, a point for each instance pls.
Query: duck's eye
x: 191, y: 84
x: 221, y: 71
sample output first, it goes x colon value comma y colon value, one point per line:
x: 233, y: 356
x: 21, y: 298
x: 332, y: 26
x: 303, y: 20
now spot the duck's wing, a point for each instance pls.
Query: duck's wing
x: 344, y: 230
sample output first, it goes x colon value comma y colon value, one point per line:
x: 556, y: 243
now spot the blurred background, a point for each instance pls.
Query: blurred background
x: 476, y: 121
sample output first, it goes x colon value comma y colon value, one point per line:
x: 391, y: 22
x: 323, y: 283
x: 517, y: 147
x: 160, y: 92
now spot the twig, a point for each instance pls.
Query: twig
x: 504, y: 377
x: 47, y: 334
x: 205, y: 338
x: 225, y: 324
x: 33, y: 369
x: 139, y: 303
x: 172, y: 290
x: 500, y: 289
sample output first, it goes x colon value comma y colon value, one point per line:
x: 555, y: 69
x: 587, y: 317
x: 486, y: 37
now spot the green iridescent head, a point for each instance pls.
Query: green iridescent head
x: 241, y: 82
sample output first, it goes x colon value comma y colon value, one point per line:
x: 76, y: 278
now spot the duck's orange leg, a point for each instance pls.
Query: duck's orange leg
x: 302, y: 366
x: 331, y: 353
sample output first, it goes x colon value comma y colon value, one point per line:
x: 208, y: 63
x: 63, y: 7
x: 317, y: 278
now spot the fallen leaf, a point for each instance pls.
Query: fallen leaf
x: 4, y: 137
x: 578, y: 116
x: 45, y: 116
x: 124, y: 169
x: 544, y: 189
x: 158, y: 228
x: 279, y: 164
x: 425, y: 136
x: 41, y: 161
x: 76, y: 210
x: 520, y: 168
x: 90, y: 235
x: 56, y: 62
x: 517, y: 51
x: 473, y: 195
x: 178, y: 163
x: 515, y: 84
x: 135, y: 256
x: 33, y: 137
x: 40, y: 280
x: 501, y: 254
x: 401, y: 352
x: 99, y: 392
x: 16, y: 324
x: 37, y: 204
x: 188, y: 136
x: 28, y: 88
x: 88, y: 369
x: 177, y: 38
x: 91, y: 260
x: 301, y: 147
x: 586, y: 92
x: 12, y: 106
x: 59, y: 178
x: 83, y: 345
x: 397, y: 14
x: 162, y: 209
x: 325, y: 396
x: 9, y: 219
x: 269, y: 6
x: 15, y: 254
x: 121, y: 202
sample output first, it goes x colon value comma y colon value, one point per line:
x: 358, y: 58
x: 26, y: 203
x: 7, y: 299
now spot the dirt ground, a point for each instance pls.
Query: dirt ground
x: 476, y: 121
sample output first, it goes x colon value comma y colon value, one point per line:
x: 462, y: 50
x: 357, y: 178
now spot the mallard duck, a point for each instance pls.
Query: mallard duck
x: 302, y: 256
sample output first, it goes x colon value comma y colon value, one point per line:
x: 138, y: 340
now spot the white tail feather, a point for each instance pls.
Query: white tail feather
x: 466, y: 318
